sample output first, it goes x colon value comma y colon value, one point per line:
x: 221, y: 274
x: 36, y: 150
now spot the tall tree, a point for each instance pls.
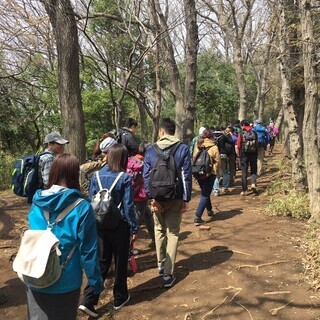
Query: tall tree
x: 64, y: 26
x: 311, y: 123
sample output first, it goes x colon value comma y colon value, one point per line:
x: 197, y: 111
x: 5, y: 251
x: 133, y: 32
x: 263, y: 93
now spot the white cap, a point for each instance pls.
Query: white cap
x: 201, y: 130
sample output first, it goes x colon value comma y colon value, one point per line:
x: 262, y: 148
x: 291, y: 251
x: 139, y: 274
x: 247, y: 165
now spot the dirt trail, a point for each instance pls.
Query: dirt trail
x: 247, y: 266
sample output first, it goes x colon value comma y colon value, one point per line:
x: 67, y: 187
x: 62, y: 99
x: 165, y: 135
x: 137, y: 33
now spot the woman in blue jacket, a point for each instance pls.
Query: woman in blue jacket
x: 114, y: 242
x: 60, y: 300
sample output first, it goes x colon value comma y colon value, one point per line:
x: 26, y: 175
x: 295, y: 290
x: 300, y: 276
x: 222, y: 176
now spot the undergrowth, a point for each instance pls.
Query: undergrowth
x: 5, y: 170
x: 311, y: 260
x: 284, y: 199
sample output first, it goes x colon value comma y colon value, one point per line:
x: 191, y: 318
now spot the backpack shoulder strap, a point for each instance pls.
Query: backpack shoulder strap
x: 115, y: 181
x: 174, y: 148
x: 63, y: 213
x: 98, y: 180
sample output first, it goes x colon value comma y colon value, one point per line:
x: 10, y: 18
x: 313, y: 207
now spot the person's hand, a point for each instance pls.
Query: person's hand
x: 156, y: 206
x: 133, y: 237
x: 184, y: 207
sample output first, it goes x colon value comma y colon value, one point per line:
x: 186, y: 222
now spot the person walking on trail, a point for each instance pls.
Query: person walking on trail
x: 263, y: 140
x: 226, y: 147
x: 114, y: 242
x: 140, y: 198
x: 247, y: 148
x: 194, y: 141
x: 167, y: 213
x: 273, y: 134
x: 60, y: 300
x: 54, y: 145
x: 206, y: 183
x: 128, y: 137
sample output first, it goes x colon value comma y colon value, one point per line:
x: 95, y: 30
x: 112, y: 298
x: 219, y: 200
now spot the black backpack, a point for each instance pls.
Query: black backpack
x: 165, y: 181
x: 202, y: 164
x: 249, y: 141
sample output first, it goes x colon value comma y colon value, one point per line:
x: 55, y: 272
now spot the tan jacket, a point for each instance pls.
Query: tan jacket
x: 213, y: 153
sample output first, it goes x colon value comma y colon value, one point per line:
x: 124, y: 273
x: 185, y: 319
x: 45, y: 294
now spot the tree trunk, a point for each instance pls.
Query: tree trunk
x: 286, y: 94
x: 64, y: 26
x: 311, y: 137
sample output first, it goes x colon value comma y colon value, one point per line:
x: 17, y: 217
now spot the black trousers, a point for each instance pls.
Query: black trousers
x: 246, y: 160
x: 112, y: 243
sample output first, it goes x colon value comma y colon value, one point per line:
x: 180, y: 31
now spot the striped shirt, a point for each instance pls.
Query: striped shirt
x: 45, y: 163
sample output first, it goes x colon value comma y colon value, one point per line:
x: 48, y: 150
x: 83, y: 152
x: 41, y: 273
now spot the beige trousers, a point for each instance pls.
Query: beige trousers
x: 260, y: 160
x: 166, y: 231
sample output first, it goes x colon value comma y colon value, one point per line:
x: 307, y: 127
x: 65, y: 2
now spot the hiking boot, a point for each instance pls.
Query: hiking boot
x: 89, y: 311
x: 119, y: 305
x: 168, y: 280
x: 199, y: 222
x: 216, y: 194
x: 210, y: 213
x: 243, y: 193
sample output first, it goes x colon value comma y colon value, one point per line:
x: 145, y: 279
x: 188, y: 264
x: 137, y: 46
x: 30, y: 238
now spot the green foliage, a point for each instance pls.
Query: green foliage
x: 7, y: 161
x: 284, y: 200
x: 217, y: 93
x: 311, y: 261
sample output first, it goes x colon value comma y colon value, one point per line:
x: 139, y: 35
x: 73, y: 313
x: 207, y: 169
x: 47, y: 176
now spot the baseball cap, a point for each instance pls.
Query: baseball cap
x: 201, y: 130
x: 106, y: 144
x: 258, y: 121
x: 55, y: 137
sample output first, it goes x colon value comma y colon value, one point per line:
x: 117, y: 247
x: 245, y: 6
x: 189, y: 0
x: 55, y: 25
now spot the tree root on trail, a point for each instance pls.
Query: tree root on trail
x: 276, y: 292
x: 258, y: 266
x: 215, y: 308
x: 275, y: 310
x: 233, y: 289
x: 244, y: 309
x: 234, y: 251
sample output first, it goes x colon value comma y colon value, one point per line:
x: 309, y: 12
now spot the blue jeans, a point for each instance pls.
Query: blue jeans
x: 224, y: 173
x: 205, y: 201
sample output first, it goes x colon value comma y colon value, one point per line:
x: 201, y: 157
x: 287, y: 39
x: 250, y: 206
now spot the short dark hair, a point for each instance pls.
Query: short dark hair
x: 117, y: 157
x: 245, y: 123
x: 65, y: 168
x: 168, y: 125
x: 132, y: 123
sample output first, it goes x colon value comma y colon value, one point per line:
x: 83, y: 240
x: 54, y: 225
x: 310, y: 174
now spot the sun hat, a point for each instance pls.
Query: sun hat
x: 201, y: 130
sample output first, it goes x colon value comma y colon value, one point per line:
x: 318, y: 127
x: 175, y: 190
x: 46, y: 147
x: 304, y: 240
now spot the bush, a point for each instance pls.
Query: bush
x: 5, y: 170
x: 311, y: 260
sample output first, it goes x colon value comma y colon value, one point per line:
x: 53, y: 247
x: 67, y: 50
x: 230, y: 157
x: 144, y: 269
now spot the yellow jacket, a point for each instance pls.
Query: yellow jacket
x: 213, y: 153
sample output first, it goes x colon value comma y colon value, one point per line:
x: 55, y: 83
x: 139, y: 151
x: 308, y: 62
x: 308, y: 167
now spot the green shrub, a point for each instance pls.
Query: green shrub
x: 311, y: 260
x: 5, y: 170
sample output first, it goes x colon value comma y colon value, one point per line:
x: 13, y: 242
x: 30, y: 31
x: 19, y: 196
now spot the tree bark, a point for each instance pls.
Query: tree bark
x: 286, y: 94
x: 64, y: 26
x: 311, y: 137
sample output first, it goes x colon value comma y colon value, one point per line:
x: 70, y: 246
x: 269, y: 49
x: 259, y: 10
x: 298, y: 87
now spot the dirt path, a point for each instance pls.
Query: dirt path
x: 247, y: 266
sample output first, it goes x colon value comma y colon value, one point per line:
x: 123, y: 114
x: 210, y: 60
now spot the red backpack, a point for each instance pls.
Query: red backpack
x: 134, y: 169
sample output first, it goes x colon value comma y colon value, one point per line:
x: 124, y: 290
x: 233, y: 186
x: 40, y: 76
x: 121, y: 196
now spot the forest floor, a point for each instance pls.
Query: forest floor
x: 247, y: 266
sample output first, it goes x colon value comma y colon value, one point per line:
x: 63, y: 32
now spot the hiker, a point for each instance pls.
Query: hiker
x: 247, y: 148
x: 114, y: 242
x: 99, y: 160
x: 263, y: 140
x: 232, y: 155
x: 167, y: 213
x: 60, y: 300
x: 226, y: 148
x: 140, y: 198
x: 206, y: 183
x: 273, y: 134
x: 54, y: 145
x: 195, y: 140
x: 128, y: 137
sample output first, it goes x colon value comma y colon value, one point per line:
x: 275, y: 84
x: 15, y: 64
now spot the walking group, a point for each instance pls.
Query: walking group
x: 148, y: 183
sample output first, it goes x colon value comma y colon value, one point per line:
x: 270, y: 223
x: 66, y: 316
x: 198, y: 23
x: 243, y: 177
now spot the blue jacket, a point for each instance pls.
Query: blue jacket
x: 78, y: 226
x: 182, y: 159
x: 122, y: 192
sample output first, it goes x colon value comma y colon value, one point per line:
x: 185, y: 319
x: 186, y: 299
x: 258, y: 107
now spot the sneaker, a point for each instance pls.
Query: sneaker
x: 168, y: 280
x: 254, y: 188
x: 210, y: 213
x: 161, y: 271
x: 243, y: 193
x: 89, y: 311
x: 216, y: 194
x: 199, y: 222
x: 118, y: 306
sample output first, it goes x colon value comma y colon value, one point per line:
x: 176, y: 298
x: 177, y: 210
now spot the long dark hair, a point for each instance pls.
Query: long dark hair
x: 118, y: 157
x: 205, y: 134
x: 65, y: 169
